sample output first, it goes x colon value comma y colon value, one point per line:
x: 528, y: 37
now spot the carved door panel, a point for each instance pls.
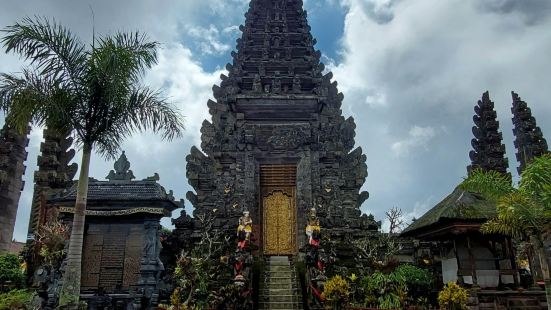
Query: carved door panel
x: 279, y: 223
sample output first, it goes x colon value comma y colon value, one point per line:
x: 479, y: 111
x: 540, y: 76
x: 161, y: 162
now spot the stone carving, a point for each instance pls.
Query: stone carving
x: 269, y: 120
x: 122, y: 170
x: 297, y: 85
x: 287, y: 138
x: 12, y: 169
x: 118, y: 212
x: 276, y: 86
x: 488, y: 150
x: 529, y: 140
x: 257, y: 84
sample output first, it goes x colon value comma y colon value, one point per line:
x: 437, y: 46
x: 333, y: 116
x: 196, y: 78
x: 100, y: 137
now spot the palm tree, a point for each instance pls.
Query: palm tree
x: 94, y: 91
x: 523, y: 212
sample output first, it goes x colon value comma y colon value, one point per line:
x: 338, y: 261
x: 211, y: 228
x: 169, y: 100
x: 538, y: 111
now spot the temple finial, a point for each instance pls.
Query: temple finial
x: 122, y: 170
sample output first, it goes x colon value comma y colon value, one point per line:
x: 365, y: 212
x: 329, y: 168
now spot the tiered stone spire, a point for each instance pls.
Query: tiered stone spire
x: 276, y: 107
x: 529, y: 140
x: 12, y: 169
x: 488, y: 150
x: 275, y: 55
x: 54, y: 173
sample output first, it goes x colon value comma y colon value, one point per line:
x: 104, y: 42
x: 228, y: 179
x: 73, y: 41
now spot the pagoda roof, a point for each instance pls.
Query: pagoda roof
x: 145, y: 190
x: 461, y: 207
x: 121, y: 193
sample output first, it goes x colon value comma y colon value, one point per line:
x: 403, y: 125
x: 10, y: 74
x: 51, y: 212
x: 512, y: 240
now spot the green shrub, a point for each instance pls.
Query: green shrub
x: 16, y: 299
x: 384, y: 290
x: 11, y: 275
x: 417, y: 279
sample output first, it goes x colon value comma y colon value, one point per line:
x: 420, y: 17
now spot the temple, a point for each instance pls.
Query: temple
x: 278, y: 144
x: 121, y: 253
x: 486, y: 263
x: 278, y: 183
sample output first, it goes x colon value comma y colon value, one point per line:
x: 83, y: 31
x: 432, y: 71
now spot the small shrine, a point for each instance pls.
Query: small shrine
x: 120, y: 259
x: 486, y: 263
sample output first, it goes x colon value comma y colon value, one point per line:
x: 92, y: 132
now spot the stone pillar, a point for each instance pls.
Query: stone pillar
x: 151, y: 264
x: 12, y: 168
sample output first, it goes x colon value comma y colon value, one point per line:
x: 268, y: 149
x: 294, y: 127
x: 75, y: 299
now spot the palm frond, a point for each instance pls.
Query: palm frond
x: 22, y: 97
x: 518, y: 215
x: 497, y: 227
x: 143, y: 110
x: 145, y: 51
x: 150, y: 111
x: 536, y: 178
x: 50, y: 47
x: 490, y: 184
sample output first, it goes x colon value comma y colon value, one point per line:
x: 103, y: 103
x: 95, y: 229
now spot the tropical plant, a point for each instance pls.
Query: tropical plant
x: 94, y: 91
x: 418, y: 282
x: 16, y: 299
x: 453, y: 297
x: 11, y: 275
x: 198, y: 274
x: 523, y: 212
x: 51, y: 242
x: 384, y: 290
x: 336, y: 292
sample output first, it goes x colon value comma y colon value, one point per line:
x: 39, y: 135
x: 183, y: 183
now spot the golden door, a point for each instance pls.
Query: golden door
x: 279, y: 223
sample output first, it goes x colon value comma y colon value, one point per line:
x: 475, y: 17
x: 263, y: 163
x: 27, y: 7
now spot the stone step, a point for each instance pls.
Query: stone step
x: 279, y: 289
x: 279, y: 305
x: 279, y: 298
x: 279, y: 281
x: 272, y: 286
x: 279, y: 259
x: 278, y: 268
x: 285, y: 272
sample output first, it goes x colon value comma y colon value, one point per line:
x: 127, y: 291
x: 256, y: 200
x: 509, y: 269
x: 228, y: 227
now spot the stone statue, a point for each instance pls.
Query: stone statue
x: 151, y: 243
x: 276, y: 86
x: 313, y: 228
x: 257, y: 84
x: 245, y: 227
x: 297, y: 87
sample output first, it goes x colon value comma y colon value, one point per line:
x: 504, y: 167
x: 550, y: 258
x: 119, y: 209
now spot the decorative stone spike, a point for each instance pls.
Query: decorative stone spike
x: 488, y: 150
x: 12, y: 168
x: 529, y: 140
x: 54, y: 173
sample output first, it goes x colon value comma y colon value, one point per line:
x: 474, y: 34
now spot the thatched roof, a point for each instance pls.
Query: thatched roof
x: 459, y: 206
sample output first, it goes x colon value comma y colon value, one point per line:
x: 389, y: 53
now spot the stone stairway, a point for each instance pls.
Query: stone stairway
x: 280, y: 289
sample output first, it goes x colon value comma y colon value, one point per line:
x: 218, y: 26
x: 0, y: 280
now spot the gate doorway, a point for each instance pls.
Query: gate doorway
x: 278, y: 189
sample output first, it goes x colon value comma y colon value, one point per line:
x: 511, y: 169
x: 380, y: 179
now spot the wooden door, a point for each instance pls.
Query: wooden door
x: 279, y: 209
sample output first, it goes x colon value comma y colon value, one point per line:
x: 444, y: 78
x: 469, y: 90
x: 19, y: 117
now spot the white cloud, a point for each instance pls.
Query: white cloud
x: 418, y: 137
x: 209, y: 39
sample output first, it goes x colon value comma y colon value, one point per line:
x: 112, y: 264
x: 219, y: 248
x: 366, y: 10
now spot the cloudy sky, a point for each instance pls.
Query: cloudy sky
x: 411, y: 72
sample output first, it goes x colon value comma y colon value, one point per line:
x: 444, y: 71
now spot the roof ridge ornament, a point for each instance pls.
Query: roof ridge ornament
x: 122, y: 170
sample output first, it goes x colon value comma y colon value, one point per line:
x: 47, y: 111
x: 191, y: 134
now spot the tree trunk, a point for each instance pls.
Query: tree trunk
x: 70, y: 291
x: 540, y: 250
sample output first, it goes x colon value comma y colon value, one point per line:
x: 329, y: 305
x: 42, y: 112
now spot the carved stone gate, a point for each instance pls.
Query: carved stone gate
x: 278, y: 187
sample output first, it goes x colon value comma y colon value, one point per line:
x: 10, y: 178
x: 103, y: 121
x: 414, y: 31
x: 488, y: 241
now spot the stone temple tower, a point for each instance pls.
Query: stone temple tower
x: 12, y: 169
x: 529, y: 140
x: 488, y: 149
x: 277, y: 144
